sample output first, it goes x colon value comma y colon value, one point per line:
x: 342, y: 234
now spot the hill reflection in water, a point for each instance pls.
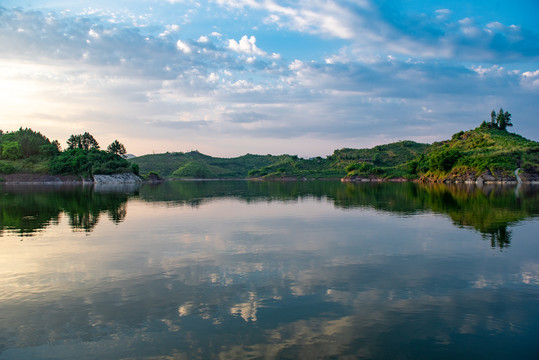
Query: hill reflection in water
x: 488, y: 209
x: 268, y: 270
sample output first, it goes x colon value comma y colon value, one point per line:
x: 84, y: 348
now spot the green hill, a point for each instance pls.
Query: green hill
x: 197, y: 165
x: 485, y: 151
x: 29, y: 152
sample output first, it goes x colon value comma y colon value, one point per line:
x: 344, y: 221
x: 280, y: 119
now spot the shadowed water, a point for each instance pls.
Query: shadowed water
x: 187, y: 270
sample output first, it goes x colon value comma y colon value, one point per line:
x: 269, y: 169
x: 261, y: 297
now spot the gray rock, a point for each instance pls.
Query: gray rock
x: 127, y: 178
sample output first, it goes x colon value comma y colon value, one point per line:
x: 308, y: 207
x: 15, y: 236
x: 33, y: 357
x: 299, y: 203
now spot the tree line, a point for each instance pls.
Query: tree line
x: 22, y: 149
x: 26, y: 142
x: 87, y: 142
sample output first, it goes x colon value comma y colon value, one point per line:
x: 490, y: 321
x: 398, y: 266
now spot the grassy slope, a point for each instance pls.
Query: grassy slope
x: 484, y: 150
x: 386, y: 161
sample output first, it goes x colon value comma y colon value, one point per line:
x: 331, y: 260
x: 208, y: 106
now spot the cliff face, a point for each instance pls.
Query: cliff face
x: 127, y: 178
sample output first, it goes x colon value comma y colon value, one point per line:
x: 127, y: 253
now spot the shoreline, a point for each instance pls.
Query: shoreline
x: 43, y: 179
x: 46, y: 179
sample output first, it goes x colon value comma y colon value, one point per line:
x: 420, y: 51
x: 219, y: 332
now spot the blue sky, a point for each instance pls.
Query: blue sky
x: 266, y: 76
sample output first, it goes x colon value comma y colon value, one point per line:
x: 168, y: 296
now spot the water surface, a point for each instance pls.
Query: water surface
x: 227, y: 270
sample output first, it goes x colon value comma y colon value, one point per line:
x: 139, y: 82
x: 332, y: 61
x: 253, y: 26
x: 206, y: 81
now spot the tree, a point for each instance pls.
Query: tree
x: 503, y: 120
x: 85, y: 142
x: 117, y: 148
x: 507, y: 117
x: 74, y: 142
x: 500, y: 119
x: 88, y: 142
x: 57, y: 145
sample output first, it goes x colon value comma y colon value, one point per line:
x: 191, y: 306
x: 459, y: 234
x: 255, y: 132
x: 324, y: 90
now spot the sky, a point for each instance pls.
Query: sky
x: 303, y: 77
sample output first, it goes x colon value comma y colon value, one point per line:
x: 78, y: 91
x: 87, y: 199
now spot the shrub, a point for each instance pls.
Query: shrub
x: 6, y: 168
x: 83, y: 162
x: 135, y: 168
x: 12, y: 150
x: 443, y: 159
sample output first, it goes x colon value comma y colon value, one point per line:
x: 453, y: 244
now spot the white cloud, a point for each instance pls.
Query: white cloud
x: 170, y: 29
x: 203, y: 39
x: 316, y: 16
x: 442, y: 14
x: 245, y: 45
x: 296, y: 65
x: 184, y: 47
x: 530, y: 79
x: 93, y: 34
x: 213, y: 77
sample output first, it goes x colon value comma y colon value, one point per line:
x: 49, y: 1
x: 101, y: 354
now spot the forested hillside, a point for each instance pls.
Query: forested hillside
x: 29, y: 151
x: 488, y: 151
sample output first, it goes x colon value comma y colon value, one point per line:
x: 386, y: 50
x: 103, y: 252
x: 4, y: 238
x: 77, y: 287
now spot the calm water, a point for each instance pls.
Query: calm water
x: 256, y: 270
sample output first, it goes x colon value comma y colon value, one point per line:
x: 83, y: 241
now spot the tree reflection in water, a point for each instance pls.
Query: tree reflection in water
x: 30, y: 209
x: 488, y: 209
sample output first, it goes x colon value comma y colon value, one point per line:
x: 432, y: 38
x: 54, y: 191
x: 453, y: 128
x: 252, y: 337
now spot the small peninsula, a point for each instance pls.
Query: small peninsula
x: 27, y: 156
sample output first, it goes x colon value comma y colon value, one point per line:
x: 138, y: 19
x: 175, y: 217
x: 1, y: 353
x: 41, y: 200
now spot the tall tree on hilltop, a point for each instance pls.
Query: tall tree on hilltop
x: 88, y: 142
x: 85, y: 142
x: 507, y: 118
x: 117, y: 148
x: 503, y: 120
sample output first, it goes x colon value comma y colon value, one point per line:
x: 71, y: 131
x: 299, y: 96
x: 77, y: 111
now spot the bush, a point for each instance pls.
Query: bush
x: 6, y: 168
x: 12, y: 150
x: 135, y: 168
x: 443, y: 159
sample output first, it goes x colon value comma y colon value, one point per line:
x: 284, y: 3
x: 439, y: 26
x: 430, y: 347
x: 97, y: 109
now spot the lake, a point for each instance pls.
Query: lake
x: 269, y: 270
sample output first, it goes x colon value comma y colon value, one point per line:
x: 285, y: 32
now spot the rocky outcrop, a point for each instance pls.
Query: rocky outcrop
x: 487, y: 177
x: 468, y: 177
x: 154, y: 179
x: 527, y: 177
x: 356, y: 179
x: 127, y: 178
